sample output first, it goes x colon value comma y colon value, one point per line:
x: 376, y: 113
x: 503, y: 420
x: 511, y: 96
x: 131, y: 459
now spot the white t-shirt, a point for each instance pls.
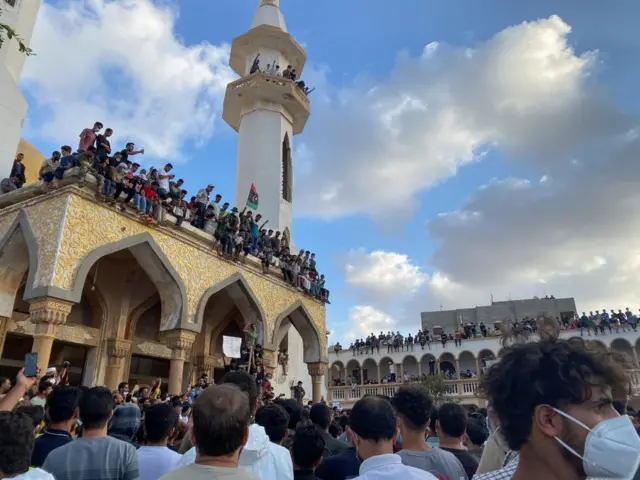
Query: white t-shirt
x: 164, y: 182
x: 154, y: 462
x: 35, y: 474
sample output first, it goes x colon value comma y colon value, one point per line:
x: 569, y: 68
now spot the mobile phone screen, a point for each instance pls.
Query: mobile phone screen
x: 31, y: 364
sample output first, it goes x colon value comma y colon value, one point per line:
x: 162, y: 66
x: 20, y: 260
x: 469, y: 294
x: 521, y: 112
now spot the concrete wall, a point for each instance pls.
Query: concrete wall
x: 498, y: 311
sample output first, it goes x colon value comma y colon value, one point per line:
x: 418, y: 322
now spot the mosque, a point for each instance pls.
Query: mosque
x: 122, y: 300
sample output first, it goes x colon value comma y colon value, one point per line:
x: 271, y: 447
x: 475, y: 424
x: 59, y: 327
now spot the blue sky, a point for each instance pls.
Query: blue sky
x: 443, y: 204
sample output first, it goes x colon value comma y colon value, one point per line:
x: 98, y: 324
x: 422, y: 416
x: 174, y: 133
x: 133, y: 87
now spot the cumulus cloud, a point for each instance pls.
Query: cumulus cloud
x: 120, y: 62
x: 382, y: 276
x: 366, y: 319
x: 525, y: 91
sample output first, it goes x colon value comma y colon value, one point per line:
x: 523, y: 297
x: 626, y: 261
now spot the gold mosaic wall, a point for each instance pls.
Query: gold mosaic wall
x: 88, y: 225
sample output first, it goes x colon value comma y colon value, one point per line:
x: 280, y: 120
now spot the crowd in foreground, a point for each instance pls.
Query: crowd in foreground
x: 557, y: 410
x: 154, y: 193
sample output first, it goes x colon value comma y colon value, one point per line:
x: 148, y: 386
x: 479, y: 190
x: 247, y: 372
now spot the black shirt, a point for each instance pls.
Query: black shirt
x: 468, y: 461
x: 102, y: 152
x: 341, y: 466
x: 47, y: 442
x: 304, y: 475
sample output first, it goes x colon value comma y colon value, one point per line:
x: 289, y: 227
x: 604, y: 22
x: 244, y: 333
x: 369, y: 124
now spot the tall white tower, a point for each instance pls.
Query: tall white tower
x: 21, y: 15
x: 266, y: 111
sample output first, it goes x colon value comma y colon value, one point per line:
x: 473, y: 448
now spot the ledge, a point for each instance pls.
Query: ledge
x: 194, y: 237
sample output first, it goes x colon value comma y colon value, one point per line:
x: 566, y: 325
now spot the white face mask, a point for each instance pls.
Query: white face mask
x: 612, y: 448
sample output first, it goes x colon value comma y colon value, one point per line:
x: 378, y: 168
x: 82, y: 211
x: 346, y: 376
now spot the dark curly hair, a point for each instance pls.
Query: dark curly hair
x: 414, y: 405
x: 16, y: 442
x: 553, y: 372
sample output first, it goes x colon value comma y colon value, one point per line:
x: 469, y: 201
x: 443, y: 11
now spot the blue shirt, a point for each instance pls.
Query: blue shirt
x: 45, y: 443
x: 68, y: 161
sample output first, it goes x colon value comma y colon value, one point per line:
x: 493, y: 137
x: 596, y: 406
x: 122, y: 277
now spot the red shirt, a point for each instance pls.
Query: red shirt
x: 266, y: 385
x: 87, y: 138
x: 149, y: 193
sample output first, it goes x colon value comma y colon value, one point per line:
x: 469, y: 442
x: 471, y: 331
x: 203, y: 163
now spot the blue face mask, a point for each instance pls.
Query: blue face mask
x: 399, y: 439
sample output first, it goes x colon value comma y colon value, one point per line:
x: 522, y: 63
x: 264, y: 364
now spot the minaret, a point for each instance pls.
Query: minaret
x: 21, y: 15
x: 266, y: 111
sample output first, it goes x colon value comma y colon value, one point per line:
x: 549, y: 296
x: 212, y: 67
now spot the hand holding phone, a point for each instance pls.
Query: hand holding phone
x: 31, y: 364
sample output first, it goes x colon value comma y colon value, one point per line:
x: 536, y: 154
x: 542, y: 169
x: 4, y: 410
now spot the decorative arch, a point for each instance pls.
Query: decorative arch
x: 301, y: 319
x: 159, y: 269
x: 370, y: 366
x: 447, y: 357
x: 238, y: 289
x: 137, y: 312
x: 485, y: 353
x: 352, y: 361
x: 287, y: 169
x: 463, y: 352
x: 18, y: 258
x: 338, y: 362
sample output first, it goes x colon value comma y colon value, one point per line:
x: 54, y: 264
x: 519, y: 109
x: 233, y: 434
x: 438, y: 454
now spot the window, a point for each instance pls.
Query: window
x: 287, y: 169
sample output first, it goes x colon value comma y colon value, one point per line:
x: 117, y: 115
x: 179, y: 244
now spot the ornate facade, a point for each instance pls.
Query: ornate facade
x: 133, y: 301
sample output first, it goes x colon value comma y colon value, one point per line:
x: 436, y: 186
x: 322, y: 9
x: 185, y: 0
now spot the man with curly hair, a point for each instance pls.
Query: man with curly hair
x: 553, y: 402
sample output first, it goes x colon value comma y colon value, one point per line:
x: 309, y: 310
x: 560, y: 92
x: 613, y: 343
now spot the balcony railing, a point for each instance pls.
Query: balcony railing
x: 453, y: 388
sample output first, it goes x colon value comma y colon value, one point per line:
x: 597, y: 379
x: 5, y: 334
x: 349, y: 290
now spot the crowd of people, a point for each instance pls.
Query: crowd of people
x: 557, y: 409
x: 273, y: 69
x: 152, y: 194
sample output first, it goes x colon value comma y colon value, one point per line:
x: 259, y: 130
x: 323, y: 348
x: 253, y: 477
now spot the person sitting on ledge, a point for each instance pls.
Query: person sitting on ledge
x: 48, y: 168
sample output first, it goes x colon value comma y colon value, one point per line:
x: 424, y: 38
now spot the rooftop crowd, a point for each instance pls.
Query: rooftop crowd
x: 600, y: 322
x: 557, y: 410
x: 152, y: 193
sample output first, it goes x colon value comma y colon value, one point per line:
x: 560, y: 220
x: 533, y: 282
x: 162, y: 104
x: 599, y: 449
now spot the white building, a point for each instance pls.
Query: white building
x: 21, y: 16
x: 266, y: 110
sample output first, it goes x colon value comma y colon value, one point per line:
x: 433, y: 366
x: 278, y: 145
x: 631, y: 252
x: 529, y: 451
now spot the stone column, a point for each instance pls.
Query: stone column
x: 4, y: 328
x: 379, y: 379
x: 477, y: 367
x: 205, y: 364
x: 316, y: 370
x: 458, y: 369
x: 401, y: 379
x: 117, y: 350
x: 47, y: 313
x: 179, y: 341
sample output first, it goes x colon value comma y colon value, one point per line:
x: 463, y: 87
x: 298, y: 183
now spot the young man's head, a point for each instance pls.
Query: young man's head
x: 96, y: 408
x: 275, y: 421
x: 168, y: 167
x: 44, y: 387
x: 221, y: 418
x: 130, y: 146
x: 320, y: 415
x: 293, y: 409
x: 63, y: 407
x: 160, y: 422
x: 413, y: 407
x: 245, y: 383
x: 452, y: 422
x: 565, y: 390
x: 108, y: 132
x: 66, y: 150
x: 123, y: 388
x: 477, y: 433
x: 307, y: 448
x: 97, y: 127
x: 20, y: 157
x: 373, y: 423
x: 16, y: 443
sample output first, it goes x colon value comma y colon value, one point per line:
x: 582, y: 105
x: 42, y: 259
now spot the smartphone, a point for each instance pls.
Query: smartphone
x: 31, y: 364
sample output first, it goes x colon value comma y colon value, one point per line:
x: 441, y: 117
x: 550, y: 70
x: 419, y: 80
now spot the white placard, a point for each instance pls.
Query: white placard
x: 231, y: 346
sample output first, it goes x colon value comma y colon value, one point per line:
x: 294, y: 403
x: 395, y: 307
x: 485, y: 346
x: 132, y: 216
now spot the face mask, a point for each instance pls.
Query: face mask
x: 612, y: 448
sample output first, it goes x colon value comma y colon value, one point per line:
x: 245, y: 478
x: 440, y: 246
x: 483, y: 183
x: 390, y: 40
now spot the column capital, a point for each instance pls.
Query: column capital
x: 49, y: 310
x: 268, y: 359
x: 205, y: 363
x: 316, y: 370
x: 118, y: 348
x: 179, y: 341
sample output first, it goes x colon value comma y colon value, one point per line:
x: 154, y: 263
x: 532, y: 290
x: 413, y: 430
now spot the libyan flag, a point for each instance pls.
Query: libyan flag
x: 252, y: 200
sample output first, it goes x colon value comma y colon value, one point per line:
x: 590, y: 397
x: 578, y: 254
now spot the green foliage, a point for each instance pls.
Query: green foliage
x: 8, y: 34
x: 437, y: 387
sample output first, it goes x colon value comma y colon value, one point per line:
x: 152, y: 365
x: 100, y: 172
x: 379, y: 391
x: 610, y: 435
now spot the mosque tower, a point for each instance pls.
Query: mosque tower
x: 267, y: 111
x: 21, y: 15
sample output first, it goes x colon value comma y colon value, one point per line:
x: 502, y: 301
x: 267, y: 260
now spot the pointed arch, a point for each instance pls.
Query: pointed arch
x: 287, y: 169
x: 301, y: 319
x: 18, y: 255
x: 158, y: 268
x: 239, y: 290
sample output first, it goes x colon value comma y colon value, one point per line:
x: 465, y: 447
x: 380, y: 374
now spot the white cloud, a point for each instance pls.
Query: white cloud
x: 121, y: 62
x: 525, y: 91
x: 366, y: 319
x: 382, y: 277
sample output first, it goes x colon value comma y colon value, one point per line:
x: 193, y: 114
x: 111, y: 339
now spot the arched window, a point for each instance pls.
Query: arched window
x: 287, y: 169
